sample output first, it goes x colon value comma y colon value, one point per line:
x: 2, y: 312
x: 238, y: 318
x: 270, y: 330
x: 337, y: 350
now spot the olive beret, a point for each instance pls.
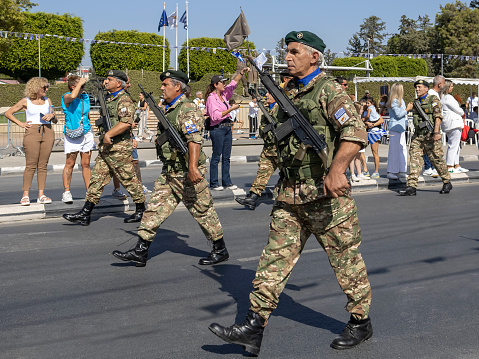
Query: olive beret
x: 307, y: 38
x: 422, y: 82
x: 177, y: 75
x: 117, y: 74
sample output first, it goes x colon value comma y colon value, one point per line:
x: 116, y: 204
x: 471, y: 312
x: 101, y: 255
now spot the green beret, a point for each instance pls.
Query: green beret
x: 117, y: 74
x: 307, y: 38
x: 177, y: 75
x: 422, y: 82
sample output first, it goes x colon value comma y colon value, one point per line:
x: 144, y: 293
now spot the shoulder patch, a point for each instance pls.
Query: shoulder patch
x: 341, y: 115
x: 190, y: 127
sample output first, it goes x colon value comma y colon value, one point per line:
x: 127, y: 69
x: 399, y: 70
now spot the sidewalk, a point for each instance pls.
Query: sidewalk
x: 244, y: 151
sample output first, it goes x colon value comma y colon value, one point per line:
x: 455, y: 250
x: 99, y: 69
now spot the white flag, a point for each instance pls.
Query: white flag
x: 173, y: 20
x: 260, y: 60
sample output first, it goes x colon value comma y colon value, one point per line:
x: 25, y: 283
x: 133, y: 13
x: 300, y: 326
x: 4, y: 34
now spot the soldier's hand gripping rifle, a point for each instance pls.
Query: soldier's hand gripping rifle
x: 104, y: 120
x: 296, y: 122
x: 424, y: 120
x: 168, y: 132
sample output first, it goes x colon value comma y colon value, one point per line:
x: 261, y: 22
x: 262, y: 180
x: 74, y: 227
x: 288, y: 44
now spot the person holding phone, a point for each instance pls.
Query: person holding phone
x: 39, y: 135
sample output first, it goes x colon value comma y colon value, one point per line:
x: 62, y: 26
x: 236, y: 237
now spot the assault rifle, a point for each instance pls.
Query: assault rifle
x: 104, y: 120
x: 168, y: 132
x: 271, y: 121
x: 424, y: 120
x: 296, y: 122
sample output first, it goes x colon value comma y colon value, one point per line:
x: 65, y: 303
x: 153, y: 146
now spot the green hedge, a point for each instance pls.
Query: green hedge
x: 203, y: 62
x: 58, y: 56
x: 383, y: 66
x: 105, y: 56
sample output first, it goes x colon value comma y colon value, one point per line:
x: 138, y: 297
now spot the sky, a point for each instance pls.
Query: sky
x: 335, y: 22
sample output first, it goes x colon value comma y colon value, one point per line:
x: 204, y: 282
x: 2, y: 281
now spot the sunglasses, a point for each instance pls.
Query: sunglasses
x: 45, y: 87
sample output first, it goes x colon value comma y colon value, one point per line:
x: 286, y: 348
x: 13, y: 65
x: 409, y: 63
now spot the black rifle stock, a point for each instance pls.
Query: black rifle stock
x: 296, y: 122
x: 168, y: 132
x: 104, y: 120
x: 425, y: 121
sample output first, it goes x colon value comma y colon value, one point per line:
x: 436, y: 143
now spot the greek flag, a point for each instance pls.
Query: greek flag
x: 163, y: 20
x: 238, y: 55
x: 184, y: 20
x: 375, y: 134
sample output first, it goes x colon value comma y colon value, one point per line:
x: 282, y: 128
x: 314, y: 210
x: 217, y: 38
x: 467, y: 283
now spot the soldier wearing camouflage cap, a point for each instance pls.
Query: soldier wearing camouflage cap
x: 182, y: 177
x: 311, y: 200
x: 425, y: 142
x: 114, y: 153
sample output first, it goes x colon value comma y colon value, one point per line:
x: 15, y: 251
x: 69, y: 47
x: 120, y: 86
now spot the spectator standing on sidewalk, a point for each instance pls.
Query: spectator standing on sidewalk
x: 76, y: 107
x: 143, y: 124
x: 373, y: 122
x: 39, y: 135
x: 397, y: 153
x: 253, y: 118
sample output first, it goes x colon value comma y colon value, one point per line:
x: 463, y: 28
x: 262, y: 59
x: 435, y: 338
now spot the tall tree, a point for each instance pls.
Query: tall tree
x: 281, y: 50
x: 371, y: 36
x: 329, y: 57
x: 12, y: 17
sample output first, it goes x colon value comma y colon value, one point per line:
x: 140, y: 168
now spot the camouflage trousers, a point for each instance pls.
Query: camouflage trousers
x: 290, y: 228
x: 114, y: 160
x: 268, y: 162
x: 172, y: 188
x: 421, y: 145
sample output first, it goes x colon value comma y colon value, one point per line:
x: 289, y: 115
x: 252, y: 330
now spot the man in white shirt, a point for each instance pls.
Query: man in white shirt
x: 200, y: 102
x: 253, y: 118
x: 472, y: 102
x: 437, y: 84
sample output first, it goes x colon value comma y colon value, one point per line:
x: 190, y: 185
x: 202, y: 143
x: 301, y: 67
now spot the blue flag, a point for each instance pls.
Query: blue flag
x: 184, y: 20
x: 238, y: 55
x: 163, y: 20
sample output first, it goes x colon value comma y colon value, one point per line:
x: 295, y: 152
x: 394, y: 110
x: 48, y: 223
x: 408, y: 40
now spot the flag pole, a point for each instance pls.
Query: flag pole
x: 187, y: 43
x: 176, y: 23
x: 164, y: 9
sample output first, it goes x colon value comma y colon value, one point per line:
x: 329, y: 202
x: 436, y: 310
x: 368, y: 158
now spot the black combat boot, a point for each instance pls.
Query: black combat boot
x: 446, y: 188
x: 139, y: 254
x: 218, y: 253
x: 83, y: 216
x: 408, y: 191
x: 356, y: 332
x: 136, y: 217
x: 249, y: 334
x: 250, y: 201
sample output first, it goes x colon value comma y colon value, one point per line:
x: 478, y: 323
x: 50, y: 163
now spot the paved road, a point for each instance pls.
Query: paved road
x: 64, y: 296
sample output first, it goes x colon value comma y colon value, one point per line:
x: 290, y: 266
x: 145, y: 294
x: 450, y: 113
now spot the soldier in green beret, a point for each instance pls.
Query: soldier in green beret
x: 182, y: 177
x: 425, y: 142
x: 114, y: 153
x: 311, y: 200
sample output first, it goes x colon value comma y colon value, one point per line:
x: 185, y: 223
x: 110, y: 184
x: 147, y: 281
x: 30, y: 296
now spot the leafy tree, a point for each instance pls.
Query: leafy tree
x: 131, y: 56
x: 58, y: 56
x: 281, y: 50
x: 212, y: 61
x: 329, y: 57
x: 370, y: 36
x: 12, y: 17
x: 474, y: 4
x: 383, y: 66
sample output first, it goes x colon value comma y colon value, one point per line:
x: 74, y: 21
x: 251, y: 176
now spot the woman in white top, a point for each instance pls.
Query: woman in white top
x: 39, y: 135
x: 143, y: 125
x: 452, y: 124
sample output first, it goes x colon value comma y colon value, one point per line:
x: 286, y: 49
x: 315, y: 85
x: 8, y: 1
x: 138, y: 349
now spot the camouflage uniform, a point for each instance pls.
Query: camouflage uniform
x: 116, y: 158
x: 301, y: 210
x: 423, y: 143
x: 173, y: 185
x: 268, y: 160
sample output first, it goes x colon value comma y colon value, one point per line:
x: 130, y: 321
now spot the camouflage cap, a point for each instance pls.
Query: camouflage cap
x: 120, y: 75
x: 177, y: 75
x: 307, y: 38
x: 422, y: 82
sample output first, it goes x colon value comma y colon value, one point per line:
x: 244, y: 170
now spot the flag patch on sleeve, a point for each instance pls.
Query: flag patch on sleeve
x: 190, y: 127
x: 341, y: 116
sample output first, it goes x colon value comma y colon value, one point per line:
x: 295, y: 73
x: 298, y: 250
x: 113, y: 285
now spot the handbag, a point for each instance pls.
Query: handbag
x: 465, y: 133
x: 78, y: 132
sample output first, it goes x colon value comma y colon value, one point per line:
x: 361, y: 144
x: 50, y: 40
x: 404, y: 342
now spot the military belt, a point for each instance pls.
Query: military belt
x: 302, y: 173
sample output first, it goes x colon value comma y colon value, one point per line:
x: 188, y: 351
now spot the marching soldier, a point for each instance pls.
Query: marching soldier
x: 182, y: 177
x: 309, y: 201
x: 114, y: 153
x: 268, y: 161
x: 426, y: 142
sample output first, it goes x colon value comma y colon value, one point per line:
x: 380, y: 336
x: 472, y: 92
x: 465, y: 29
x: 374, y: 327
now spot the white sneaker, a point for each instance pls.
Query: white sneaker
x: 232, y: 186
x: 434, y: 173
x: 235, y: 139
x: 428, y: 172
x: 462, y: 170
x: 145, y: 189
x: 362, y: 176
x: 392, y: 176
x: 67, y: 197
x: 118, y: 194
x: 217, y: 188
x: 240, y: 131
x: 354, y: 178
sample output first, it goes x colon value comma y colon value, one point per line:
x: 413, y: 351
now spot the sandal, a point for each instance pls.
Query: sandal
x: 44, y: 200
x: 25, y: 201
